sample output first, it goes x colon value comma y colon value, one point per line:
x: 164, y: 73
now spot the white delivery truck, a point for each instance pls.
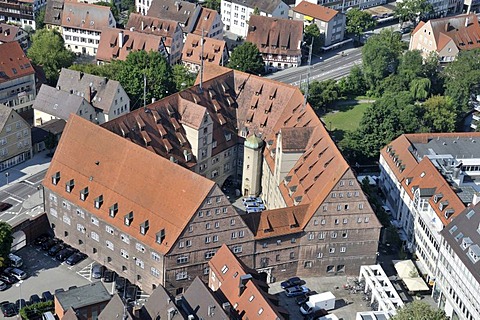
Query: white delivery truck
x: 325, y: 300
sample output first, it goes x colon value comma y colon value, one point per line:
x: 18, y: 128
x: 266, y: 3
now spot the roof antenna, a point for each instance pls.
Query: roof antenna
x: 144, y: 91
x: 201, y: 66
x: 305, y: 96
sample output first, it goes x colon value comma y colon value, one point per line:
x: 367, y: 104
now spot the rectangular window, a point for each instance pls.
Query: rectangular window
x: 241, y: 234
x: 125, y: 238
x: 95, y: 221
x: 155, y: 256
x: 209, y: 254
x: 154, y: 272
x: 208, y: 239
x: 94, y: 236
x: 343, y: 249
x: 292, y: 255
x: 232, y: 222
x: 109, y: 245
x: 66, y: 219
x: 140, y: 247
x: 124, y: 253
x: 181, y: 275
x: 215, y: 238
x: 182, y: 259
x: 109, y: 229
x: 237, y: 249
x: 53, y: 212
x: 80, y: 228
x: 234, y: 235
x: 188, y: 243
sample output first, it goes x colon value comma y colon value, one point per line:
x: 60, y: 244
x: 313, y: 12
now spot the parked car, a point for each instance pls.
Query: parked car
x: 19, y: 304
x: 253, y: 209
x: 47, y: 296
x: 17, y: 273
x: 4, y: 206
x: 8, y: 279
x: 295, y: 281
x: 109, y: 276
x: 56, y: 249
x: 121, y: 283
x: 3, y: 286
x: 41, y: 239
x: 75, y: 258
x: 57, y: 291
x: 296, y: 291
x: 34, y: 298
x: 65, y: 254
x: 50, y: 243
x: 317, y: 314
x: 8, y: 309
x: 15, y: 261
x: 302, y: 299
x: 131, y: 293
x: 255, y: 205
x: 97, y: 271
x: 249, y: 199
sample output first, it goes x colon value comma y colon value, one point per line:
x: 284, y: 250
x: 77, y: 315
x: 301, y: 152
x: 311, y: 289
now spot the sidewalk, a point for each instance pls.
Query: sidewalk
x: 23, y: 171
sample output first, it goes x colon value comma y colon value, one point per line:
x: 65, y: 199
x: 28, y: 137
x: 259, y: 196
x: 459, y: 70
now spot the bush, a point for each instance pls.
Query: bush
x: 36, y: 310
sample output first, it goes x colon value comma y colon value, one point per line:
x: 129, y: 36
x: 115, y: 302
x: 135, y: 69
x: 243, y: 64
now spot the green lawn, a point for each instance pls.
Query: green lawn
x: 345, y: 118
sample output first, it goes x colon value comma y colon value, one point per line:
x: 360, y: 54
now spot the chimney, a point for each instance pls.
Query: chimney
x: 142, y: 26
x: 476, y: 199
x: 120, y: 39
x: 243, y: 281
x: 81, y: 75
x: 177, y: 4
x: 467, y: 21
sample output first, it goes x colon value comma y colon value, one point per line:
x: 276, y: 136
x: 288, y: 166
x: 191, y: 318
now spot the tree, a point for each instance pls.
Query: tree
x: 412, y: 10
x: 256, y: 11
x: 50, y: 142
x: 439, y: 114
x: 48, y: 51
x: 109, y: 70
x: 354, y: 83
x: 381, y: 56
x: 411, y: 65
x: 182, y: 77
x: 157, y: 71
x: 247, y: 58
x: 358, y: 22
x: 40, y: 19
x: 212, y: 4
x: 419, y: 310
x: 6, y: 240
x: 322, y: 93
x: 420, y: 88
x: 313, y: 33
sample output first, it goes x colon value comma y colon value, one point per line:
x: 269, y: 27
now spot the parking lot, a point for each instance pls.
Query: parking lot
x: 45, y: 274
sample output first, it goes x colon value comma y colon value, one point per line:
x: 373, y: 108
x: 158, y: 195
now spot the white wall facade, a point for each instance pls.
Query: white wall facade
x: 18, y: 93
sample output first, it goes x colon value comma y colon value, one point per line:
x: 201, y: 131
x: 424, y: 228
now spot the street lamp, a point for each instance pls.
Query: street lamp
x: 6, y: 176
x: 19, y: 285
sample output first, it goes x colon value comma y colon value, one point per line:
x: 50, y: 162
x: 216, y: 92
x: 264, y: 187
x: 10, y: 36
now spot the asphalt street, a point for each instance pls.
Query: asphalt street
x: 16, y: 193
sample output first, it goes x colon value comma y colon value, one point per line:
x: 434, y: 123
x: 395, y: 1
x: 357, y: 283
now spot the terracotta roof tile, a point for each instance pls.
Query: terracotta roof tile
x: 14, y: 63
x: 205, y: 20
x: 111, y: 166
x: 8, y: 32
x: 213, y: 49
x: 160, y: 27
x: 315, y: 11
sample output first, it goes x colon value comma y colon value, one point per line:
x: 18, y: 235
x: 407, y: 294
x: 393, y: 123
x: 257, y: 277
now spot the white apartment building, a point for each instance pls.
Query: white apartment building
x: 428, y: 179
x: 344, y: 5
x: 457, y: 286
x: 82, y: 26
x: 236, y: 13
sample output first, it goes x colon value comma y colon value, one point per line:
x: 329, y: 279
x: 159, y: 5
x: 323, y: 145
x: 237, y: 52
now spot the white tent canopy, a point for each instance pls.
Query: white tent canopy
x: 409, y: 274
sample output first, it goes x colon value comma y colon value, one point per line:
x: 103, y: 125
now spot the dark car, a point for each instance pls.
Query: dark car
x: 131, y: 293
x: 56, y: 249
x: 65, y: 254
x: 109, y: 276
x: 3, y: 285
x: 34, y: 298
x: 20, y: 303
x: 317, y: 314
x: 296, y: 291
x: 405, y: 30
x: 8, y: 309
x: 295, y: 281
x: 97, y: 271
x: 75, y: 258
x: 57, y: 291
x: 302, y: 299
x: 4, y: 206
x: 7, y: 278
x: 41, y: 239
x: 50, y: 243
x: 121, y: 283
x: 47, y: 296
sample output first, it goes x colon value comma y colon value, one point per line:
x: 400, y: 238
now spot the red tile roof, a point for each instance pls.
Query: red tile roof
x: 205, y: 20
x: 8, y: 32
x: 160, y: 27
x: 315, y: 11
x: 213, y: 50
x: 116, y: 169
x: 14, y: 63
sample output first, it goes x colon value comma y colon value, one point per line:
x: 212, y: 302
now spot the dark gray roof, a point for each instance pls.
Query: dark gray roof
x: 465, y: 226
x: 461, y: 147
x: 262, y: 5
x: 103, y: 89
x: 58, y: 103
x: 180, y: 11
x: 53, y: 12
x: 160, y: 303
x: 86, y: 295
x: 115, y: 309
x: 4, y: 114
x: 54, y: 126
x: 200, y: 301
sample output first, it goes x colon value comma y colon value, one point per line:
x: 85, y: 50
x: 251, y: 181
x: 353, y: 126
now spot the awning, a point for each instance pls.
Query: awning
x: 409, y: 274
x: 308, y: 18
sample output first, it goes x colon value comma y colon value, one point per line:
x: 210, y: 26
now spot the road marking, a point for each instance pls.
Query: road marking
x: 28, y: 182
x: 15, y: 199
x: 86, y: 272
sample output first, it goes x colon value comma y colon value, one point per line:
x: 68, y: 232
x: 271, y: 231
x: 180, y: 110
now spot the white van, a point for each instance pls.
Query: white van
x: 48, y: 316
x: 15, y: 261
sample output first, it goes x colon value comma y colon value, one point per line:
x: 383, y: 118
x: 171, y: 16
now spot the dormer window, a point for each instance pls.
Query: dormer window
x: 443, y: 205
x: 113, y: 210
x: 449, y: 213
x: 160, y: 236
x: 69, y: 186
x: 466, y: 242
x: 144, y: 227
x: 474, y: 253
x: 84, y: 194
x: 128, y: 218
x: 228, y: 136
x: 56, y: 178
x: 437, y: 197
x: 98, y: 201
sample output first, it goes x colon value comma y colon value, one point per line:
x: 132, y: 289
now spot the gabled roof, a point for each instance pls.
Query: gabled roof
x: 54, y: 12
x: 115, y: 309
x: 129, y: 176
x: 463, y: 30
x: 160, y: 27
x: 85, y: 16
x: 4, y: 115
x: 275, y: 36
x: 203, y: 303
x: 205, y: 20
x: 116, y: 44
x: 315, y: 11
x: 243, y: 287
x: 177, y: 10
x: 58, y: 103
x: 213, y: 49
x: 158, y: 305
x: 262, y: 5
x: 102, y: 91
x: 83, y: 296
x: 14, y: 63
x: 8, y: 32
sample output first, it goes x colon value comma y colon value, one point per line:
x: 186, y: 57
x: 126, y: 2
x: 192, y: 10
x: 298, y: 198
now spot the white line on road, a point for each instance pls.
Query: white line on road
x: 15, y: 199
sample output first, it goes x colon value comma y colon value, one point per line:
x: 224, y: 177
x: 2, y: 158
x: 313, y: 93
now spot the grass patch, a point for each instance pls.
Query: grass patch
x: 345, y: 117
